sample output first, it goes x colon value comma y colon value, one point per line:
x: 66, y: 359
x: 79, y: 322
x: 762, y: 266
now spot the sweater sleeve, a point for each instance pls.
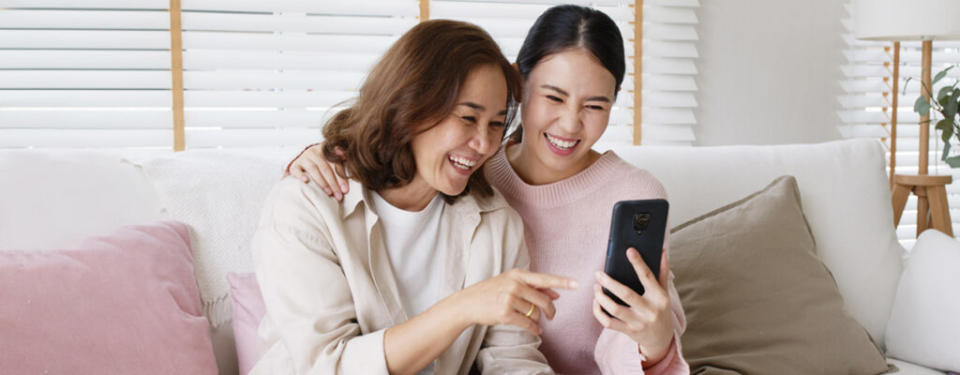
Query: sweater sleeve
x: 617, y: 353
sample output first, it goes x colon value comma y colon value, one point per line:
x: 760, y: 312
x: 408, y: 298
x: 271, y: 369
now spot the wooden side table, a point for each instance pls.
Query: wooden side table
x: 933, y: 211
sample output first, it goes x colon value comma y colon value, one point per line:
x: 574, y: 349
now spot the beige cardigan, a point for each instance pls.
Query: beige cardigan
x: 330, y: 291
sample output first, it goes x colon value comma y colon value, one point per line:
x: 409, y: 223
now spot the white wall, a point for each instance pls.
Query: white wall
x: 769, y: 71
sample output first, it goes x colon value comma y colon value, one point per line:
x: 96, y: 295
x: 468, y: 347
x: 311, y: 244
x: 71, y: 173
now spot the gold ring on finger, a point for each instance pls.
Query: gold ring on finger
x: 532, y: 309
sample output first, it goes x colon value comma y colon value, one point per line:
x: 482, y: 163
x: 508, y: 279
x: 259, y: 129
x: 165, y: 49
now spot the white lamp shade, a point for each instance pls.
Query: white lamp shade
x: 907, y: 19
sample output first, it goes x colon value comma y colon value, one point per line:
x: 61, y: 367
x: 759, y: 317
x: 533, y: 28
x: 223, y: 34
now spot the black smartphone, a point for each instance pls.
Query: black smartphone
x: 640, y: 224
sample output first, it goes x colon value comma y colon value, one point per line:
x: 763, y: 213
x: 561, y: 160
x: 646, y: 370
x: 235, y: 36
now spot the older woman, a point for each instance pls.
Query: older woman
x: 419, y: 267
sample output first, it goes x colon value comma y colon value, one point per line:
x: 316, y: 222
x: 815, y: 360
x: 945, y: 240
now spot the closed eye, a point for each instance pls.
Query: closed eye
x: 595, y: 107
x: 470, y: 119
x: 497, y: 124
x: 554, y: 99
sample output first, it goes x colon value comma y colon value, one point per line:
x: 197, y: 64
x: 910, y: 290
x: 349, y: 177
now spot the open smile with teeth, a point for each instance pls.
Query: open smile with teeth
x: 462, y: 163
x: 561, y: 144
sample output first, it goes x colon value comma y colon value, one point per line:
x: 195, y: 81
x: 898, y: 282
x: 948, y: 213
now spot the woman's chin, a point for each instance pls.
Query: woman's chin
x: 453, y: 190
x: 453, y: 186
x: 454, y: 181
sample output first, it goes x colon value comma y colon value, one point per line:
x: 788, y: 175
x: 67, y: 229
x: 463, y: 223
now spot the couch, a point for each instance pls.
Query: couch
x: 53, y: 198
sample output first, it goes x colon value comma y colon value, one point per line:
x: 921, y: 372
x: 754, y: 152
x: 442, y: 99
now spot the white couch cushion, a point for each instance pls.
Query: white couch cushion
x: 55, y: 198
x: 907, y: 368
x: 845, y: 196
x: 219, y: 194
x: 924, y: 325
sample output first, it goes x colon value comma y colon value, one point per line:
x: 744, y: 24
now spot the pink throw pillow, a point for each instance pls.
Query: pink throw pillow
x: 248, y: 311
x: 125, y: 303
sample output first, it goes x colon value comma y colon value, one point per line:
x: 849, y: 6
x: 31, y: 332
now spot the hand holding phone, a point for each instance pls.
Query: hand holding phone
x: 640, y: 224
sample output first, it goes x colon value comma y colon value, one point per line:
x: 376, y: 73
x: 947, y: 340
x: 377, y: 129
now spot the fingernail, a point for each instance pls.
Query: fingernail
x: 326, y: 190
x: 344, y: 187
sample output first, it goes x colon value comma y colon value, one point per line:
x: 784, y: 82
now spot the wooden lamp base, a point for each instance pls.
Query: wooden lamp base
x: 933, y: 210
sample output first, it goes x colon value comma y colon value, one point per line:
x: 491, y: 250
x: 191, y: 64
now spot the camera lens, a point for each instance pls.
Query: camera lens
x: 640, y: 222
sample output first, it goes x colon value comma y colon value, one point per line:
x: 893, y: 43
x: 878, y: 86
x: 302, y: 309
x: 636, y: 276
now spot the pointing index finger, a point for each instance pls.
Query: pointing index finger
x: 543, y: 280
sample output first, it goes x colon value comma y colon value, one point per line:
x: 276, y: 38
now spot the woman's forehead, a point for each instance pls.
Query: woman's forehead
x: 485, y: 88
x: 572, y: 69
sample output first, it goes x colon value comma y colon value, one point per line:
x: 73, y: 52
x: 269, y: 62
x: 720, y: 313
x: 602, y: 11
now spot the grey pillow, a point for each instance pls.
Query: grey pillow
x: 757, y: 298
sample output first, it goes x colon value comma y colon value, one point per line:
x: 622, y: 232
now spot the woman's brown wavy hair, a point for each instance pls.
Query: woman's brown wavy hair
x: 413, y: 87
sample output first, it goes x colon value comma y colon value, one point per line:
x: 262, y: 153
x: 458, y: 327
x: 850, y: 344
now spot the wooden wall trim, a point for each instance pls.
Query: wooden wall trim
x: 424, y: 10
x: 176, y: 71
x: 893, y: 111
x: 637, y: 72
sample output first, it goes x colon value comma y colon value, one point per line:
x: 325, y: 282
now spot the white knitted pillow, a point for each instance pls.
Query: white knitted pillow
x: 924, y: 326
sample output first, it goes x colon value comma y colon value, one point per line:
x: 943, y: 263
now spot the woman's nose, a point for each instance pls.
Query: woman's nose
x: 482, y: 140
x: 569, y: 120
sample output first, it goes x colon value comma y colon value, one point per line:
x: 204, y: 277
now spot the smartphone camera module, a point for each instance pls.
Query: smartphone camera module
x: 640, y: 222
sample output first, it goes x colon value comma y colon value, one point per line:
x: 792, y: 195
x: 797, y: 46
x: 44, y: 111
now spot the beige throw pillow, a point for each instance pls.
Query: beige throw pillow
x: 757, y: 298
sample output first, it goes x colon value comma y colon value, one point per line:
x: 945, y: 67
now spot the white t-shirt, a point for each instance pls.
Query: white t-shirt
x: 411, y: 239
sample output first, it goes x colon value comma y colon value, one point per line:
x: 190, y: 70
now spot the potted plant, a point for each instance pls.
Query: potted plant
x: 945, y: 102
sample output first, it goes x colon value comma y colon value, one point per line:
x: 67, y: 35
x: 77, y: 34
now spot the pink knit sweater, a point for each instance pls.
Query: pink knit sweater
x: 566, y: 228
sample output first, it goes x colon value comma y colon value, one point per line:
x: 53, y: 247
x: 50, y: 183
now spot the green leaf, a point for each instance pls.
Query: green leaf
x: 944, y: 92
x: 946, y: 130
x: 950, y: 107
x: 953, y: 161
x: 943, y: 73
x: 947, y: 97
x: 946, y: 150
x: 921, y: 106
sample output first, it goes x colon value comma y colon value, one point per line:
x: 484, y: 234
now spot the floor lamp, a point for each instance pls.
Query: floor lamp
x: 914, y: 20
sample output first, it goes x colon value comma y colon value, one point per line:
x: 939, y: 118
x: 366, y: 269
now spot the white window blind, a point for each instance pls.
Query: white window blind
x: 669, y: 71
x: 866, y: 102
x: 85, y: 73
x: 669, y: 51
x: 97, y: 73
x: 266, y: 73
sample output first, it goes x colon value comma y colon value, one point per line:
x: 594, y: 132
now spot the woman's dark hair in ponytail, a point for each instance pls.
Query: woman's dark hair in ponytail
x: 571, y: 26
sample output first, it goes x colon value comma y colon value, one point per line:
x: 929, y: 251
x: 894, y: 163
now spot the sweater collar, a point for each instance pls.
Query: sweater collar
x: 499, y: 171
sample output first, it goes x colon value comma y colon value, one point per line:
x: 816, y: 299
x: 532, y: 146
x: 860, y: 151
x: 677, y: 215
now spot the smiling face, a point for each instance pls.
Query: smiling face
x: 566, y: 106
x: 449, y: 152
